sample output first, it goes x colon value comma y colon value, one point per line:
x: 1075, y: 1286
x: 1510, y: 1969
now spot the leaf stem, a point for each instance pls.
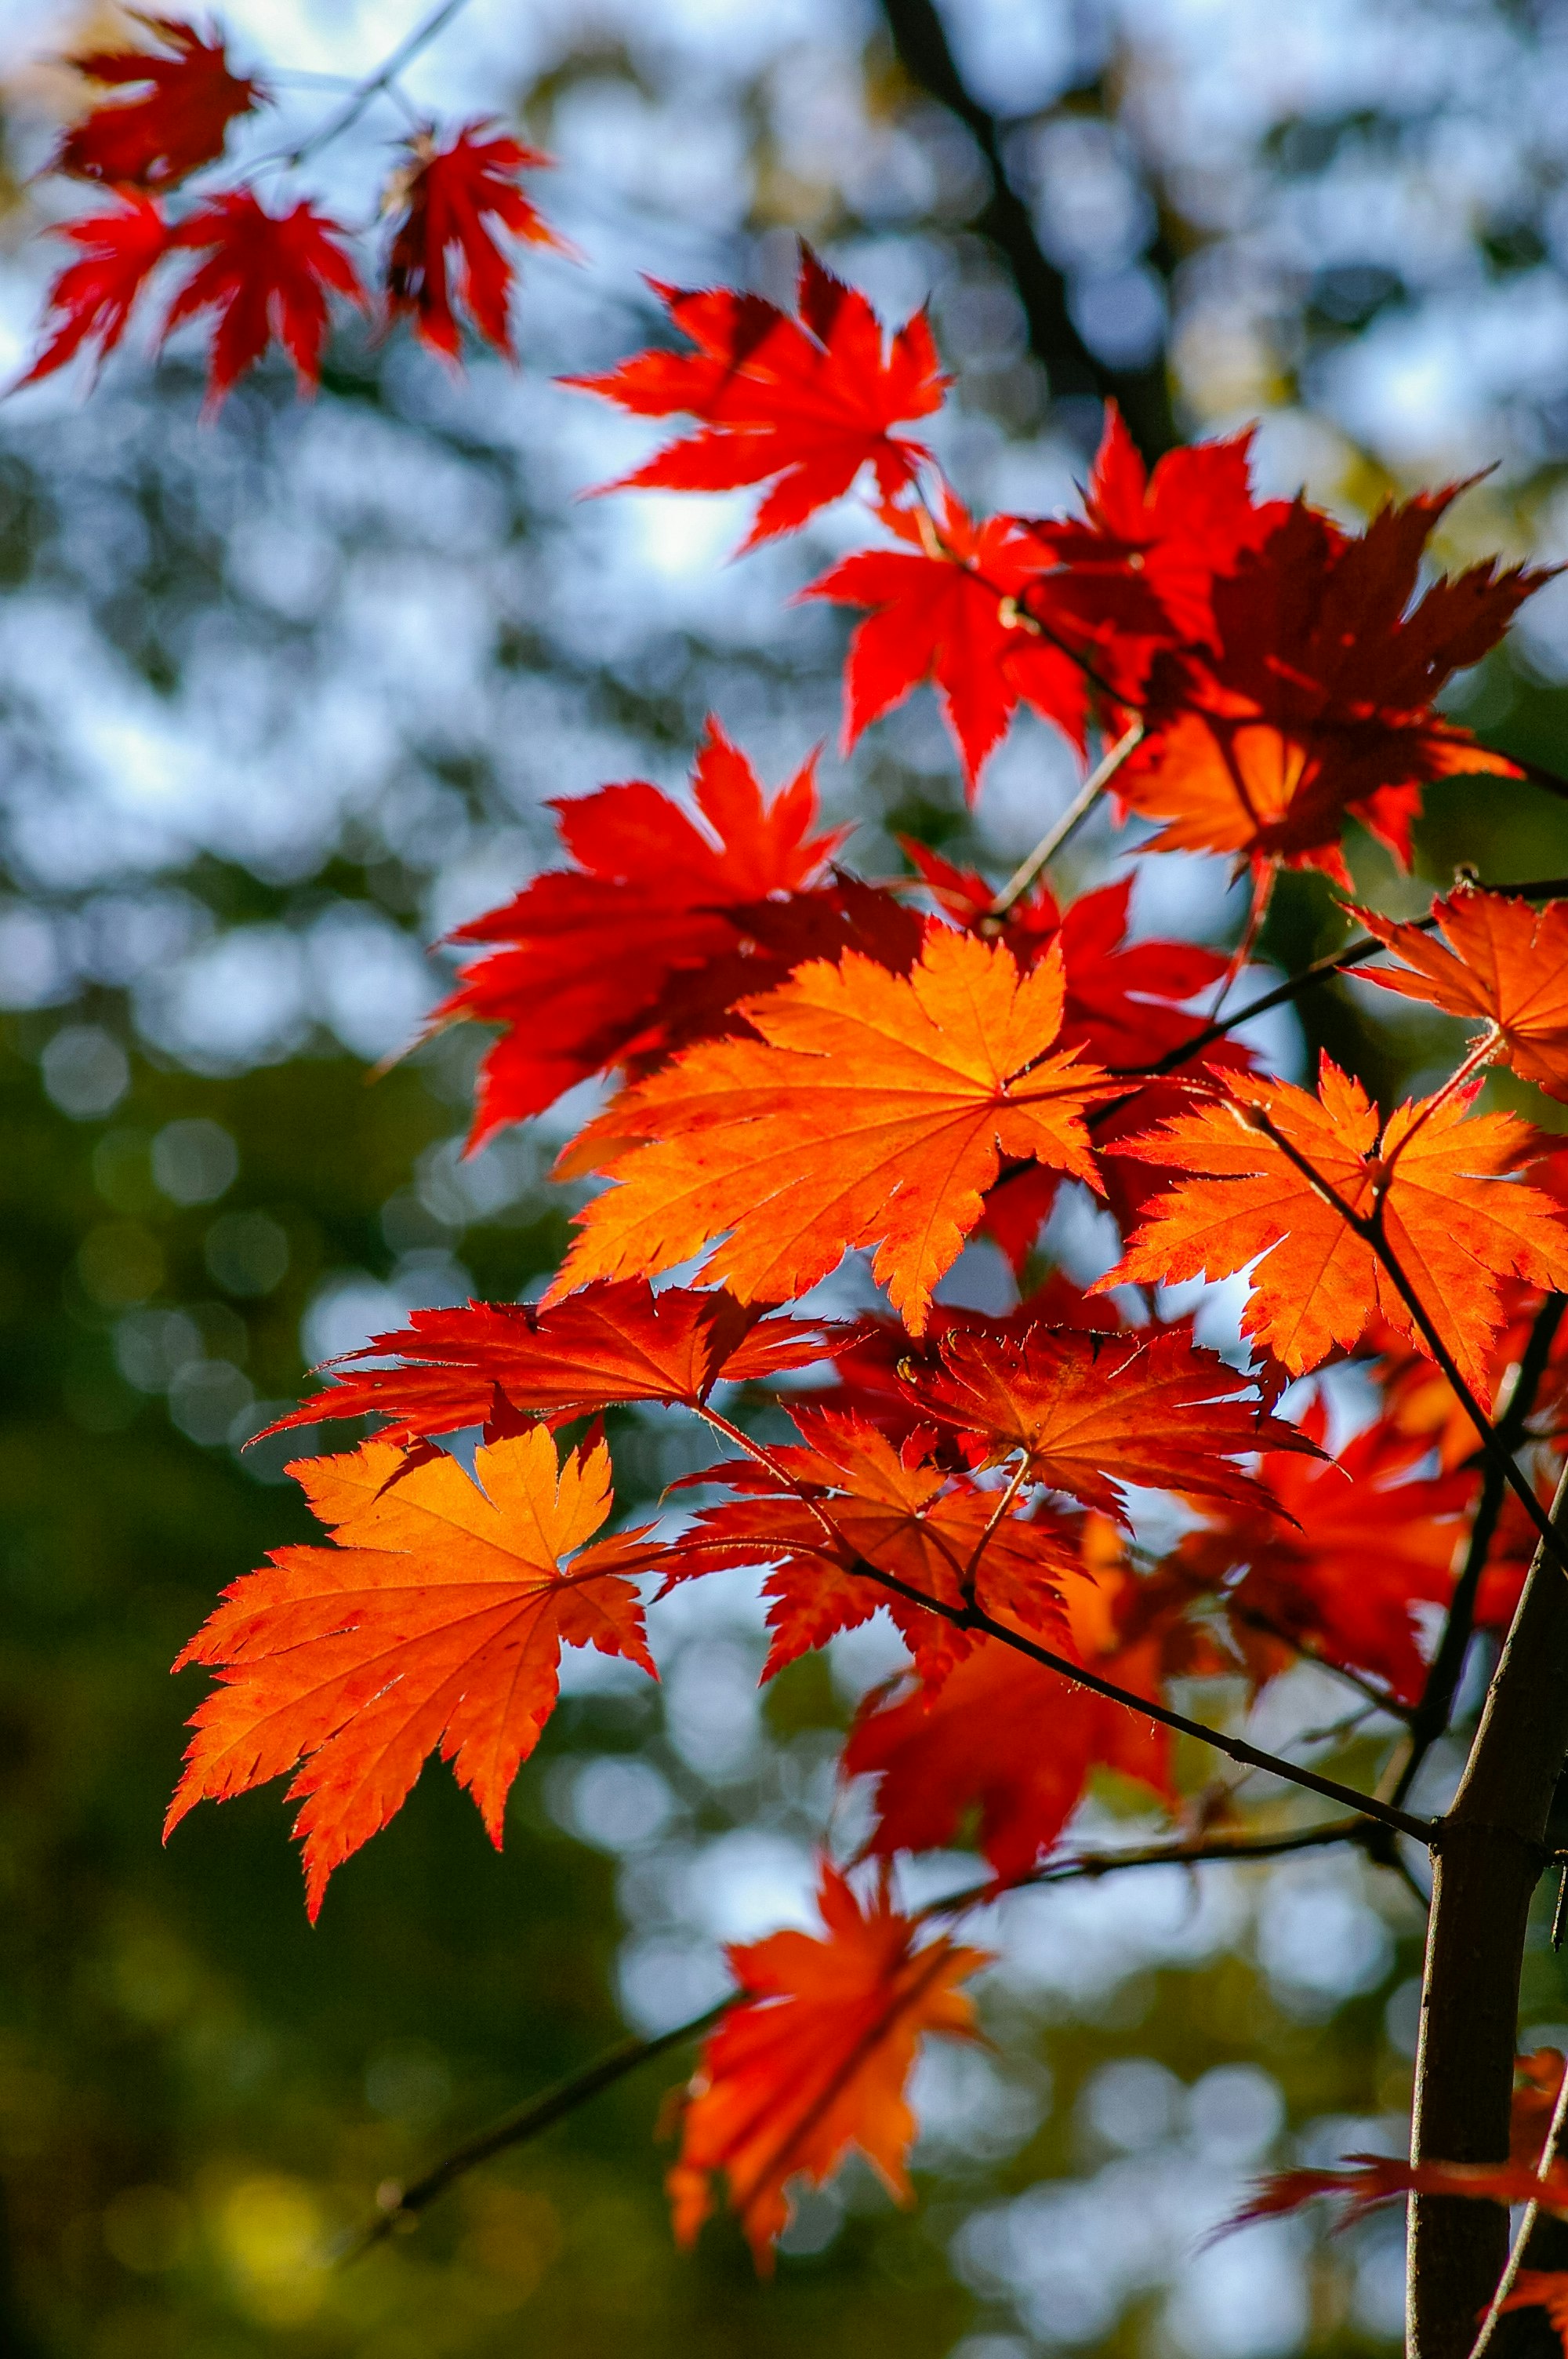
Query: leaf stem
x: 1078, y: 811
x: 1525, y: 2227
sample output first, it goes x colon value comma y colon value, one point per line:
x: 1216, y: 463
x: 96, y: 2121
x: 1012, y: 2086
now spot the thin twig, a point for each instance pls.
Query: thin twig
x: 525, y: 2122
x: 386, y: 73
x: 1526, y: 2226
x: 843, y: 1552
x: 401, y: 2206
x: 1078, y: 811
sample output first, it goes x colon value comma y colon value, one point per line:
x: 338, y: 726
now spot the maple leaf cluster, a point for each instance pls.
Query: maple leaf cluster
x: 800, y: 1065
x: 270, y: 271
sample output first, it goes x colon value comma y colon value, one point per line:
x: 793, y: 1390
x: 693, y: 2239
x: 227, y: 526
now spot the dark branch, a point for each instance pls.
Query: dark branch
x: 921, y: 43
x: 518, y: 2126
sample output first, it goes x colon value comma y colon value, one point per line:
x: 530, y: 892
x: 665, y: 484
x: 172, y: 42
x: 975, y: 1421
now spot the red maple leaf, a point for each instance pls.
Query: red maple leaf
x: 945, y: 608
x: 845, y: 1505
x: 608, y: 1343
x: 1090, y: 1414
x: 265, y: 275
x: 1157, y: 541
x: 1315, y: 705
x: 814, y: 2061
x: 1007, y: 1742
x: 436, y: 1619
x: 178, y: 122
x: 804, y: 404
x: 588, y: 972
x: 448, y: 196
x: 92, y: 300
x: 1340, y: 1554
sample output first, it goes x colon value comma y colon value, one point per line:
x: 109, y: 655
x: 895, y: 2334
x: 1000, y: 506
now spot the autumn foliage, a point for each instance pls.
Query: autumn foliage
x: 817, y: 1089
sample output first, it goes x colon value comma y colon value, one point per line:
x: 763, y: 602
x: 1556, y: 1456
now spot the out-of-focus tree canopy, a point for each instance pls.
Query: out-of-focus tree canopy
x: 281, y: 702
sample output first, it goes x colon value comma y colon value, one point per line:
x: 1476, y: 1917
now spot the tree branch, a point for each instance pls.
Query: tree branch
x: 1431, y: 1715
x: 1491, y: 1857
x: 921, y: 43
x: 528, y: 2121
x: 385, y: 74
x: 1078, y: 811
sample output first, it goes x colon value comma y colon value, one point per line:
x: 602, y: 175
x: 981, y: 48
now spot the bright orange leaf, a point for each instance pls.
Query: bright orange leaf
x: 437, y: 1619
x: 607, y: 1343
x: 182, y: 99
x: 447, y: 197
x: 804, y: 404
x: 1508, y: 965
x: 1453, y: 1216
x: 873, y: 1111
x: 815, y: 2061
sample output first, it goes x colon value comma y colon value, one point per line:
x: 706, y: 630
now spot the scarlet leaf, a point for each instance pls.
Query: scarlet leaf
x: 804, y: 404
x: 92, y: 300
x: 945, y: 609
x: 447, y: 197
x: 180, y: 119
x: 1166, y: 537
x: 1338, y: 1555
x: 815, y: 2061
x: 1542, y: 2290
x: 1317, y: 702
x: 1006, y: 1740
x: 1092, y: 1413
x: 266, y: 274
x: 1508, y: 965
x: 871, y: 1110
x: 845, y: 1505
x: 586, y: 971
x: 608, y: 1343
x: 1452, y: 1218
x: 437, y: 1619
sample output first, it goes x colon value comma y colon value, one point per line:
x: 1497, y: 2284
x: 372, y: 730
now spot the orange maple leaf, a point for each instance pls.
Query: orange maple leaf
x: 607, y: 1343
x: 844, y: 1504
x: 436, y: 1619
x: 1508, y: 965
x: 804, y: 403
x: 1451, y: 1217
x: 1316, y: 701
x: 873, y: 1111
x: 1094, y: 1412
x: 815, y: 2061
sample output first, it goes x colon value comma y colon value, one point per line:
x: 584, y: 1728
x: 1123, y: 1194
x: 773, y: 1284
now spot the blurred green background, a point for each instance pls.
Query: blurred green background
x: 281, y: 700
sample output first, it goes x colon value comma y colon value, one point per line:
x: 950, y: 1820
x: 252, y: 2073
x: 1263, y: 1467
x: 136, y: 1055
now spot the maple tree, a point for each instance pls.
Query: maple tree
x: 803, y: 1070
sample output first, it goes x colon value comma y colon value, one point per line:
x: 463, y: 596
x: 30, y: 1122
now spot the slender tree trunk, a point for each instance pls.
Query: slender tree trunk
x: 1487, y: 1865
